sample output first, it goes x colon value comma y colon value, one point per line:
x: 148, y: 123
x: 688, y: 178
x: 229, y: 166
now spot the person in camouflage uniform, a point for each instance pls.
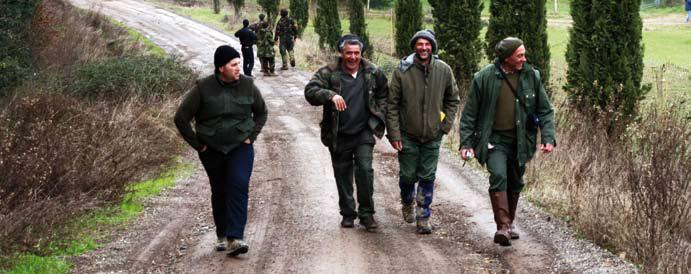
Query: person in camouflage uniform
x: 265, y: 49
x: 287, y: 31
x: 255, y: 28
x: 353, y: 92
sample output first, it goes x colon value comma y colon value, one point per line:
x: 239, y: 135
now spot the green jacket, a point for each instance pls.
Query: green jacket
x: 265, y: 43
x: 224, y: 114
x: 326, y: 83
x: 480, y: 109
x: 418, y: 95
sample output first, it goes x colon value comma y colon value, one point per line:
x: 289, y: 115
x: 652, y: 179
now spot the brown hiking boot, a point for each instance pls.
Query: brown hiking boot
x: 500, y: 207
x: 237, y: 247
x: 423, y: 226
x: 408, y: 211
x: 513, y: 206
x: 284, y: 67
x: 369, y: 223
x: 292, y: 63
x: 347, y: 221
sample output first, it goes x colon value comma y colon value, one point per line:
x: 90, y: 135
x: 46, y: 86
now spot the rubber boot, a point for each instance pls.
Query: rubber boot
x: 500, y: 207
x: 513, y: 206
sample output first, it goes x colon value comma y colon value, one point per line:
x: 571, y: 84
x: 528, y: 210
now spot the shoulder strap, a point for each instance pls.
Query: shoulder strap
x: 513, y: 90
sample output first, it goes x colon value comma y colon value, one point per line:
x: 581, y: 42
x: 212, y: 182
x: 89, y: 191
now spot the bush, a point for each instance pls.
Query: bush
x: 143, y: 76
x: 15, y: 55
x: 60, y: 157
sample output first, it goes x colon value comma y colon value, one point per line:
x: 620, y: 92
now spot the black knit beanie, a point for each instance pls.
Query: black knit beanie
x: 223, y: 55
x: 506, y: 47
x: 427, y: 35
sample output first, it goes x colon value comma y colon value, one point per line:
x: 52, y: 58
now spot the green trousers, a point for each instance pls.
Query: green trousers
x: 505, y: 174
x: 356, y: 161
x: 418, y: 161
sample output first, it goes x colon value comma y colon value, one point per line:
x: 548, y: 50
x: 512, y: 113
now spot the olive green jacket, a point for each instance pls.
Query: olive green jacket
x: 326, y: 83
x: 478, y: 115
x: 225, y: 114
x: 418, y: 95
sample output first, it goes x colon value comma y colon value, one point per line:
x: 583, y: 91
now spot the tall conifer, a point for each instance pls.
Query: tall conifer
x: 327, y: 24
x: 358, y: 25
x: 299, y: 11
x: 408, y: 22
x: 270, y: 7
x: 457, y: 26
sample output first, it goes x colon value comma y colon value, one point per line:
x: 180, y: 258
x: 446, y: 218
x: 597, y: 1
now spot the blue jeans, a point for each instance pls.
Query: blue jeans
x: 229, y: 176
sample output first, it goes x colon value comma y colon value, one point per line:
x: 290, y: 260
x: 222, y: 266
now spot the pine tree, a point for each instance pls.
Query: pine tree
x: 525, y: 19
x: 299, y: 10
x: 358, y: 25
x: 270, y: 7
x: 327, y: 24
x: 408, y: 22
x: 237, y: 6
x: 605, y: 56
x: 217, y: 6
x: 457, y: 26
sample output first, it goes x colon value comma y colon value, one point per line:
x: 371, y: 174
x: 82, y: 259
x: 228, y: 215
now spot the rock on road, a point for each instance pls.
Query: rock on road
x: 293, y: 224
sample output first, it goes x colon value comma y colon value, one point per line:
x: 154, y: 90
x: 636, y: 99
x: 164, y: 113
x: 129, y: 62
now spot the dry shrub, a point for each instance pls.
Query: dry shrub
x: 60, y: 157
x: 628, y: 189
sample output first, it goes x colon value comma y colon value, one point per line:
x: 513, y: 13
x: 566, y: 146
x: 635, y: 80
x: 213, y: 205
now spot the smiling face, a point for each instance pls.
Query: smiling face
x: 516, y: 60
x: 351, y: 54
x: 231, y: 71
x: 423, y: 48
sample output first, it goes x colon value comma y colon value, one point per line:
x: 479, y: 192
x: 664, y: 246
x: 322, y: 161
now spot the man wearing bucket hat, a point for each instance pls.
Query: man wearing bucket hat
x: 507, y: 105
x: 229, y: 112
x: 422, y: 103
x: 353, y: 92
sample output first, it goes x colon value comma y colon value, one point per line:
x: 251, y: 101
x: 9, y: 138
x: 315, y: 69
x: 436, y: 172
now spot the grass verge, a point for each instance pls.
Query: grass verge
x: 89, y: 231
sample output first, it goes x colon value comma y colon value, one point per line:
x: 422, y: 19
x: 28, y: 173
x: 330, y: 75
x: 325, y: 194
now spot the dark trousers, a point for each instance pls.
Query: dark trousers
x: 268, y: 64
x: 418, y: 162
x: 229, y: 176
x: 505, y: 173
x: 346, y: 163
x: 247, y: 60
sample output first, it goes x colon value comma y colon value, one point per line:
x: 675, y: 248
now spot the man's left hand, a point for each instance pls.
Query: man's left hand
x: 546, y: 148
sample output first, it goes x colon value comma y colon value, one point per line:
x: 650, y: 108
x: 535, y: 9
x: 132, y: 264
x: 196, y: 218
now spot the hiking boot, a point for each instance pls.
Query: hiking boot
x: 284, y: 67
x: 424, y: 227
x: 369, y: 223
x: 237, y: 247
x: 348, y: 221
x: 408, y: 211
x: 292, y: 63
x: 513, y: 207
x: 513, y: 234
x: 500, y: 207
x: 221, y: 244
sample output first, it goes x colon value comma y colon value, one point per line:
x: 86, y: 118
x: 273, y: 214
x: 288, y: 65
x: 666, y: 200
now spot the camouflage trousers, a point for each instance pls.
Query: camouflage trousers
x: 286, y: 50
x: 268, y: 64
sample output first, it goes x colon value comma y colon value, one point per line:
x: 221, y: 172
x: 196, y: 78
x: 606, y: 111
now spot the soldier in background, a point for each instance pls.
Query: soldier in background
x: 286, y: 30
x: 265, y: 49
x: 255, y: 28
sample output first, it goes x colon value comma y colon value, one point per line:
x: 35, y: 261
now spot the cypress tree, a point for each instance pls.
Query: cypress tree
x: 217, y: 6
x: 457, y: 26
x: 408, y: 22
x: 358, y: 25
x: 299, y: 10
x: 270, y: 7
x: 605, y: 56
x: 525, y: 19
x: 237, y: 6
x: 327, y: 24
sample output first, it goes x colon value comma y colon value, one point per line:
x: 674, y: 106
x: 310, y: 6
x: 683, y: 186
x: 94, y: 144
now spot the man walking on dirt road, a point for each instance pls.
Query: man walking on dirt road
x: 353, y: 92
x: 247, y: 40
x: 506, y: 106
x: 229, y: 112
x: 422, y: 104
x: 286, y: 31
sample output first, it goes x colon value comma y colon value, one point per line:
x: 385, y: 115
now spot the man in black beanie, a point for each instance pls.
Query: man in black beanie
x: 247, y: 39
x: 422, y: 104
x: 506, y: 106
x: 229, y: 112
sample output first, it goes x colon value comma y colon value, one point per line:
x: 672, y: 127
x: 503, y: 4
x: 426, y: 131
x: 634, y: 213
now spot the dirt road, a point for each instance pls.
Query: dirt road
x: 293, y: 224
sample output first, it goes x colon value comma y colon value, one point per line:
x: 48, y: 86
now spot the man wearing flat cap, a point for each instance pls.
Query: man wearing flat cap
x: 506, y: 107
x: 229, y: 112
x: 353, y: 94
x: 423, y: 101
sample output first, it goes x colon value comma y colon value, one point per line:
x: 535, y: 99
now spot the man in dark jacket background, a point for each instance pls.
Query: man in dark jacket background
x: 353, y: 92
x: 506, y: 106
x: 247, y: 39
x: 423, y: 101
